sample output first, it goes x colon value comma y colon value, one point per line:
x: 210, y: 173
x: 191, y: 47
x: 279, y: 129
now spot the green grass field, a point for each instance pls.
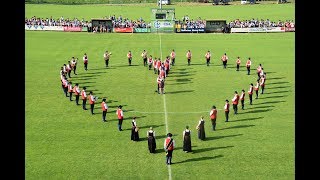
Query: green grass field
x: 65, y: 142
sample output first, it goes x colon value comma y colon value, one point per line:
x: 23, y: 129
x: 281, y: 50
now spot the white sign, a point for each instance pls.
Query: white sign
x: 162, y: 24
x: 247, y: 30
x: 42, y: 28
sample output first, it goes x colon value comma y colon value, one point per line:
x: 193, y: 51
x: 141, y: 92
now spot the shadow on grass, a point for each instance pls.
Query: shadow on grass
x: 94, y: 73
x: 275, y: 78
x: 157, y: 137
x: 182, y: 91
x: 275, y: 92
x: 184, y: 80
x: 281, y: 82
x: 86, y: 82
x: 256, y: 111
x: 180, y: 83
x: 260, y: 107
x: 247, y: 119
x: 198, y: 159
x: 220, y: 137
x: 209, y: 149
x: 278, y: 87
x: 236, y: 127
x: 269, y: 102
x: 125, y: 65
x: 271, y: 97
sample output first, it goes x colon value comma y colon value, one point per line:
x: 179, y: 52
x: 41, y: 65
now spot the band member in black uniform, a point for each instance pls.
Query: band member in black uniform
x: 186, y: 140
x: 151, y: 140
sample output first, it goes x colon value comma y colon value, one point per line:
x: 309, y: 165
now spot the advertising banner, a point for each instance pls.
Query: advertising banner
x: 290, y: 29
x: 165, y: 26
x: 43, y: 28
x: 258, y: 29
x: 142, y: 30
x: 195, y: 30
x: 72, y: 29
x: 123, y: 30
x: 214, y: 26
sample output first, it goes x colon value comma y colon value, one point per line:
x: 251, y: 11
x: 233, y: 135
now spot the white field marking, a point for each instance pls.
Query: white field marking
x: 165, y: 110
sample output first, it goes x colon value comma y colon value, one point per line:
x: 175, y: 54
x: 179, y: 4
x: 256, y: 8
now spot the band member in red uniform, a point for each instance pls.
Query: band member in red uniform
x: 76, y: 91
x: 69, y: 68
x: 129, y: 56
x: 189, y: 55
x: 235, y: 101
x: 226, y: 109
x: 238, y: 62
x: 250, y: 92
x: 169, y: 145
x: 84, y: 98
x: 70, y: 90
x: 104, y: 108
x: 85, y: 61
x: 213, y: 117
x: 248, y: 65
x: 259, y: 68
x: 208, y: 56
x: 155, y: 69
x: 92, y: 100
x: 150, y: 62
x: 224, y: 60
x: 173, y: 57
x: 74, y: 65
x: 144, y: 56
x: 243, y: 94
x: 256, y: 88
x: 119, y: 113
x: 262, y: 83
x: 106, y: 57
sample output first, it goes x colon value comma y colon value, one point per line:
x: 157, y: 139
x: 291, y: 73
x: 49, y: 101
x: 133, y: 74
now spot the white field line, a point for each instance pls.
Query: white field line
x: 165, y: 110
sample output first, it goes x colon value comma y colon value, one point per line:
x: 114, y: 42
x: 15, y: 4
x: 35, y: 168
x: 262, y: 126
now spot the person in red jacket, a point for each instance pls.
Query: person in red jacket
x: 85, y: 61
x: 189, y: 55
x: 226, y: 109
x: 169, y: 145
x: 173, y: 57
x: 213, y: 117
x: 92, y: 100
x: 119, y: 113
x: 243, y: 94
x: 76, y: 91
x: 248, y: 65
x: 238, y: 62
x: 84, y: 98
x: 250, y: 92
x: 104, y: 108
x: 256, y: 88
x: 235, y: 101
x: 262, y: 83
x: 70, y: 90
x: 208, y: 56
x: 129, y: 56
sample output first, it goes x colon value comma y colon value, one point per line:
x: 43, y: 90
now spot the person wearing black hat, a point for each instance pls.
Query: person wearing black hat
x: 104, y: 108
x: 186, y: 134
x: 226, y: 110
x: 119, y: 113
x: 169, y: 145
x: 213, y: 117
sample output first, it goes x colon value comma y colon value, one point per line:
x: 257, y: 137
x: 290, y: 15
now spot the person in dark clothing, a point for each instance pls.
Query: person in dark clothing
x: 200, y: 128
x: 186, y: 140
x: 134, y: 130
x: 151, y: 135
